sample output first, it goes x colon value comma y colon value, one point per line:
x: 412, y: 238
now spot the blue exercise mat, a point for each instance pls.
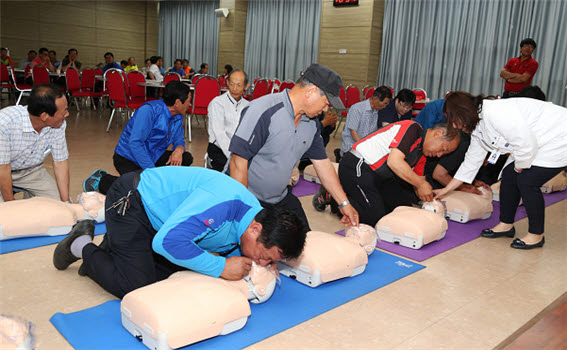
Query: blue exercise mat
x: 11, y: 245
x: 100, y: 327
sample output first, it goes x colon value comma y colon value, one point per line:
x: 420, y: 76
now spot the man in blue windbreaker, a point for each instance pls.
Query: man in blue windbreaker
x: 145, y: 139
x: 162, y: 220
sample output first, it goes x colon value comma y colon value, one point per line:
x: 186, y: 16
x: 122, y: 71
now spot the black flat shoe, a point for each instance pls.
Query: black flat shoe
x: 519, y: 244
x: 489, y: 233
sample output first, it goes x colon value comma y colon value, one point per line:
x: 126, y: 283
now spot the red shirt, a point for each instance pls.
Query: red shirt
x: 515, y: 66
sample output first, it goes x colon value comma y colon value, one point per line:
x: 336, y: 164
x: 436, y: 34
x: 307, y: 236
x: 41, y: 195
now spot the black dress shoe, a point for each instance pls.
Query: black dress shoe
x: 519, y: 244
x: 489, y: 233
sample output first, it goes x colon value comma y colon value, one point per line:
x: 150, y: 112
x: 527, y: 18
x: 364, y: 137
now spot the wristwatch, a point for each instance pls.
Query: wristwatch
x: 346, y: 202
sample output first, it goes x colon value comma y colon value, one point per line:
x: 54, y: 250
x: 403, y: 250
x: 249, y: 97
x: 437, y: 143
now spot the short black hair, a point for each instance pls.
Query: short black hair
x: 532, y: 92
x: 42, y: 99
x: 148, y: 59
x: 43, y: 50
x: 53, y: 51
x: 282, y: 228
x: 3, y: 49
x: 154, y: 59
x: 528, y: 41
x: 124, y: 62
x: 72, y: 49
x: 185, y: 60
x: 406, y: 96
x: 176, y: 60
x: 203, y: 65
x: 238, y: 70
x: 32, y: 51
x: 382, y: 93
x: 108, y: 53
x: 228, y: 68
x: 175, y: 90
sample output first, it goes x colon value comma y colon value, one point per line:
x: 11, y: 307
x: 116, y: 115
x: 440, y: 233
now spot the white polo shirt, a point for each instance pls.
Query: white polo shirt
x: 224, y: 115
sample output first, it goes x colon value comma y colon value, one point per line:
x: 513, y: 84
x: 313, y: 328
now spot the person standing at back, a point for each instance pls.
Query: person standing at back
x: 518, y: 72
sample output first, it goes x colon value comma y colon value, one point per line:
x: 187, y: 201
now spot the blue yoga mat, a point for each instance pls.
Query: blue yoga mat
x: 100, y: 327
x: 11, y: 245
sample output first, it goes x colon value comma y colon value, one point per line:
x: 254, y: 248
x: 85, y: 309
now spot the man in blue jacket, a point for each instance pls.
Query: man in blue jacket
x: 176, y: 218
x: 144, y: 141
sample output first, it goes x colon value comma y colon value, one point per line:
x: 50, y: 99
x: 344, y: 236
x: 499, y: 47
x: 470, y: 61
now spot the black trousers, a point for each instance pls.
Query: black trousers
x: 123, y: 165
x: 130, y: 262
x: 525, y: 185
x: 371, y: 195
x: 292, y: 203
x: 218, y: 159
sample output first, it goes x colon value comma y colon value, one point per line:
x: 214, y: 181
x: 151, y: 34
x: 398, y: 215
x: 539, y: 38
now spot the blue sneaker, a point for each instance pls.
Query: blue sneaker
x: 91, y: 183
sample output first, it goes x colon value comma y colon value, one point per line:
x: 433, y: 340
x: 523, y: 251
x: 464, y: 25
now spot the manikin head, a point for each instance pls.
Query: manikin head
x: 380, y: 98
x: 237, y: 82
x: 437, y: 142
x: 404, y: 101
x: 274, y: 234
x: 364, y: 235
x: 435, y: 206
x: 93, y: 204
x: 261, y: 283
x: 47, y: 106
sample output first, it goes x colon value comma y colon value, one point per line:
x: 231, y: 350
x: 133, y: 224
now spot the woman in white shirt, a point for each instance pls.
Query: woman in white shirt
x: 533, y: 132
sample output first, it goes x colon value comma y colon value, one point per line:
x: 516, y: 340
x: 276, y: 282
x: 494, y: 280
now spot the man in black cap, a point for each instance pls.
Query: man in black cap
x: 277, y: 130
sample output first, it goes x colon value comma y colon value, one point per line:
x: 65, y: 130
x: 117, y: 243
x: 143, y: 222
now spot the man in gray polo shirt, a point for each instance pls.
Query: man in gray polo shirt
x: 277, y: 130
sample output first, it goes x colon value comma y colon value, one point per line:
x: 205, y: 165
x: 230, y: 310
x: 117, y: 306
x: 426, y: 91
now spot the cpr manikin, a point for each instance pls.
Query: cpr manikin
x: 309, y: 173
x: 557, y: 183
x: 325, y: 258
x: 413, y: 227
x: 189, y: 307
x: 294, y: 177
x: 464, y: 206
x: 40, y: 216
x: 364, y: 235
x: 15, y: 333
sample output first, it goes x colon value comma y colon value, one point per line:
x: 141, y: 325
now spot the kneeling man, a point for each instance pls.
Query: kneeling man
x: 167, y: 219
x: 385, y: 169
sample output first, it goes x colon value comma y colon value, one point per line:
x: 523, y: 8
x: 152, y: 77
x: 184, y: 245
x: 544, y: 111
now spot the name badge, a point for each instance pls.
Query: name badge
x: 494, y: 157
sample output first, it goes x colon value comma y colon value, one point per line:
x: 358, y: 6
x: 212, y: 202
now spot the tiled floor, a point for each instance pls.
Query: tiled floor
x: 471, y: 297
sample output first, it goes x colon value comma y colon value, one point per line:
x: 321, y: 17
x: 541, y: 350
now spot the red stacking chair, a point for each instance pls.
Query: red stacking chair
x: 276, y: 86
x: 420, y: 95
x: 270, y: 86
x: 137, y: 92
x: 206, y: 89
x: 195, y: 78
x: 22, y: 88
x: 171, y: 76
x: 286, y: 85
x: 222, y: 81
x: 369, y: 92
x: 88, y: 85
x: 342, y: 96
x: 261, y: 88
x: 40, y: 75
x: 5, y: 80
x: 118, y: 95
x: 352, y: 95
x: 74, y: 86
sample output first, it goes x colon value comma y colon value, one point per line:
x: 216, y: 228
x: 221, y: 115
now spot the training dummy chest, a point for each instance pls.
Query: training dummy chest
x: 309, y: 173
x: 413, y: 227
x: 189, y: 307
x: 325, y: 258
x: 464, y: 206
x: 40, y: 216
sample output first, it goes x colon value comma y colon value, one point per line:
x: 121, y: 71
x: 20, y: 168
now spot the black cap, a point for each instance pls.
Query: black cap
x: 328, y: 81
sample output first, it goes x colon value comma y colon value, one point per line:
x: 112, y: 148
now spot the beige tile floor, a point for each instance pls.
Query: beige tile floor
x: 472, y: 297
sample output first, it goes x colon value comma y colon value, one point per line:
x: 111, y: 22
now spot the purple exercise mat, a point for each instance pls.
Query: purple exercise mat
x: 304, y: 188
x: 460, y: 233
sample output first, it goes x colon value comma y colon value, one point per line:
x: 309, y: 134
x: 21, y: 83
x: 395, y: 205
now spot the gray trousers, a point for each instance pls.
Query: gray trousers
x: 34, y: 181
